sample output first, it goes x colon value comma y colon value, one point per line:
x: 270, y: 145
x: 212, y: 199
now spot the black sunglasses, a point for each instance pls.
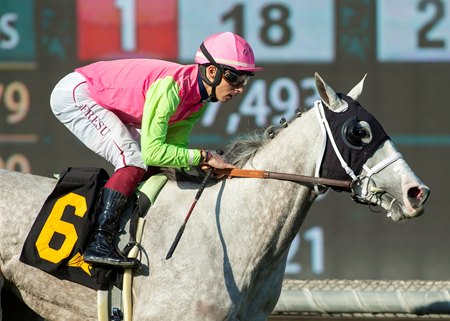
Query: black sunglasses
x: 235, y: 79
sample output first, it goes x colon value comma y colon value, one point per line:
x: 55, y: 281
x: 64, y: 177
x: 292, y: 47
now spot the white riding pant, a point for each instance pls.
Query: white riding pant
x: 97, y: 127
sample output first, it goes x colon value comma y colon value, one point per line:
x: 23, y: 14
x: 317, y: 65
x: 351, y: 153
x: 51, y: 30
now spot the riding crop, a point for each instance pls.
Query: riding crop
x: 181, y: 230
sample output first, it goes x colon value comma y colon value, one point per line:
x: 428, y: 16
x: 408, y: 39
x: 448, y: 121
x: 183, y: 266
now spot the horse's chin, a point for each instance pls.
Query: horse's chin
x: 398, y: 212
x: 396, y: 217
x: 394, y: 209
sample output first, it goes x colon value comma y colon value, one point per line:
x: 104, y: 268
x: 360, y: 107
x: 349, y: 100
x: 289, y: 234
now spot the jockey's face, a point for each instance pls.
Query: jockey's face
x: 226, y: 90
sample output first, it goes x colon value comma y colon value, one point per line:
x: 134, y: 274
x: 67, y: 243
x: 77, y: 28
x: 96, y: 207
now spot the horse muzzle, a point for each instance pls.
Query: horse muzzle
x: 408, y: 205
x: 412, y: 205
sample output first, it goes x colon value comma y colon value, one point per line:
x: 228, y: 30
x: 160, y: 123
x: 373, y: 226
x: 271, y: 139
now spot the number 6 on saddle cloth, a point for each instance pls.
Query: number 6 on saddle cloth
x: 61, y: 230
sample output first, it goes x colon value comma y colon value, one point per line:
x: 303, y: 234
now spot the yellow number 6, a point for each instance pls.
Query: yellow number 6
x: 54, y: 224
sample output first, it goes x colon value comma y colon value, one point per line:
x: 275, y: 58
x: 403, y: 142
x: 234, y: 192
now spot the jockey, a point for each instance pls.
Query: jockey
x: 137, y: 113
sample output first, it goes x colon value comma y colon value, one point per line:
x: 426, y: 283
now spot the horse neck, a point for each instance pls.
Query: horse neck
x: 296, y: 150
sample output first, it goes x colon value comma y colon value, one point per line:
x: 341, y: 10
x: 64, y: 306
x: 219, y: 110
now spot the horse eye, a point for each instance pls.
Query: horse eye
x: 356, y: 134
x: 361, y: 132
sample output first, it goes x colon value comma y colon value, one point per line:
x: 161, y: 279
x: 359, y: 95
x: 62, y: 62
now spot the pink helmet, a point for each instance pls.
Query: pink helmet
x: 228, y: 49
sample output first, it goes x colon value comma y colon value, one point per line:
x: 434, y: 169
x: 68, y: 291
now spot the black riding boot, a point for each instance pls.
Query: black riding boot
x: 101, y: 249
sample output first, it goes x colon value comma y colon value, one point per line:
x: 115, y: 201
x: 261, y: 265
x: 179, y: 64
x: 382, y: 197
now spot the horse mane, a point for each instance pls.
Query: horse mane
x: 242, y: 149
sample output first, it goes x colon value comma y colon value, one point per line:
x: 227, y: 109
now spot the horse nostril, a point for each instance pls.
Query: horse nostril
x: 419, y: 193
x: 414, y: 192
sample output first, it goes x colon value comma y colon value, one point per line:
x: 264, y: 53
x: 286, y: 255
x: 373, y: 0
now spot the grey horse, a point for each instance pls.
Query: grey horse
x: 230, y: 263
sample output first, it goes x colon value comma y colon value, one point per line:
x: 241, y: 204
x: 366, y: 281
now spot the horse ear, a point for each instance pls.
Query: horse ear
x: 357, y: 90
x: 328, y: 95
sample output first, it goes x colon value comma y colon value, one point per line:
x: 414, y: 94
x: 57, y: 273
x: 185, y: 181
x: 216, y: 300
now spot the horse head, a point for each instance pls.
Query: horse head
x: 358, y: 147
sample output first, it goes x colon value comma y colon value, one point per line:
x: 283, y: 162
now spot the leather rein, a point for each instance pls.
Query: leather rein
x: 253, y: 173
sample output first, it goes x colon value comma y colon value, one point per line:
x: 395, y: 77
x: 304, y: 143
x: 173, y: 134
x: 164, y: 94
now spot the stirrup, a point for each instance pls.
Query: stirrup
x: 112, y: 261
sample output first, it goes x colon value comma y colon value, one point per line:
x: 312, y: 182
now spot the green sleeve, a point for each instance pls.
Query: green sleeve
x: 161, y: 144
x: 179, y: 133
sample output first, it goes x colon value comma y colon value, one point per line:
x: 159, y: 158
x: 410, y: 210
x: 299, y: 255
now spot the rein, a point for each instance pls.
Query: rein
x: 253, y: 173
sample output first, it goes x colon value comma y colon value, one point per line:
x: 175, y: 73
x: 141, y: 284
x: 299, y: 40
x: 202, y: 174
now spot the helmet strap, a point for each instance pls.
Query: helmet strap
x: 217, y: 78
x: 213, y: 84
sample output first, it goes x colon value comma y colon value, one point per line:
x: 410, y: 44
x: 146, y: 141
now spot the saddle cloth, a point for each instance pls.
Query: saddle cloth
x: 59, y: 234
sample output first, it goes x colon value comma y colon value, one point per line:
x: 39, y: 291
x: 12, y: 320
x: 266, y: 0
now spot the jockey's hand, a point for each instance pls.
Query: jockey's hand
x: 212, y: 159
